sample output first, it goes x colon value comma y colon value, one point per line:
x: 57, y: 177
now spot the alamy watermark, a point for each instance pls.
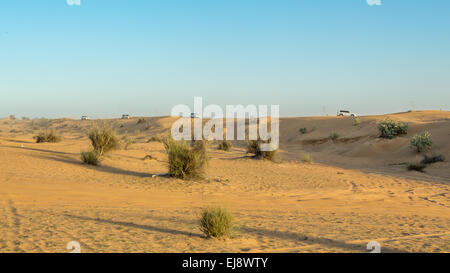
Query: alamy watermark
x: 255, y: 117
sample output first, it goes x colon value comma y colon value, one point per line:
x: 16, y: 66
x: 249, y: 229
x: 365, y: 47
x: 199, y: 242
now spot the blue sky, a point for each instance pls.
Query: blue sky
x: 142, y: 57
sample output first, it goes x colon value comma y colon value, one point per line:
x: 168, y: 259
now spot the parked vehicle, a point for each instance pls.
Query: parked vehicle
x: 195, y: 115
x: 84, y: 118
x: 345, y: 113
x: 125, y: 116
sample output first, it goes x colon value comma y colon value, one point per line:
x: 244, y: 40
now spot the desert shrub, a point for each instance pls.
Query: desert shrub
x: 356, y: 120
x: 306, y: 158
x: 303, y: 131
x: 47, y: 136
x: 200, y: 145
x: 254, y: 147
x: 225, y: 145
x: 90, y: 157
x: 421, y: 142
x: 25, y: 118
x: 103, y: 139
x: 125, y: 142
x: 432, y: 159
x: 419, y: 167
x: 141, y: 120
x: 216, y: 222
x: 390, y: 128
x: 12, y: 117
x: 184, y: 161
x: 334, y: 135
x: 155, y: 139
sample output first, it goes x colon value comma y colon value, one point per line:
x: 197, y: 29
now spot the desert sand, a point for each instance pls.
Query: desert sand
x: 357, y: 190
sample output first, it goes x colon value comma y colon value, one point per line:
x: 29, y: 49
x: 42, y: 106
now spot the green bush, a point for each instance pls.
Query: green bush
x: 103, y: 139
x: 356, y: 121
x: 303, y: 131
x: 421, y: 142
x: 90, y: 157
x: 334, y: 135
x: 216, y: 222
x: 225, y: 145
x: 254, y: 147
x: 47, y: 136
x: 391, y: 129
x: 184, y: 161
x: 306, y: 158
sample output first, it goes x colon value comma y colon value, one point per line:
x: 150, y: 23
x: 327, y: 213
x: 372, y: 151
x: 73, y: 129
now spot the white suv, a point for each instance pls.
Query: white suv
x: 345, y: 113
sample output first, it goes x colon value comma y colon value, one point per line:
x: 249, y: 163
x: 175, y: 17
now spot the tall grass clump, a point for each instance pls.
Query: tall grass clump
x: 356, y: 120
x: 254, y: 147
x: 225, y: 145
x: 303, y: 131
x: 390, y: 128
x: 421, y: 142
x: 216, y: 222
x: 185, y: 162
x: 103, y: 139
x: 48, y: 136
x: 90, y: 157
x: 334, y: 135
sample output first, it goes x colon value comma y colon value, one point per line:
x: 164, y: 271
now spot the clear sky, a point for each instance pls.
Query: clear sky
x: 103, y: 58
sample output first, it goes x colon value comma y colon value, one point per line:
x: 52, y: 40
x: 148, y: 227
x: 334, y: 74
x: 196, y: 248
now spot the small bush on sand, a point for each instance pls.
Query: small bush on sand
x: 419, y: 167
x: 125, y: 142
x: 216, y: 222
x: 334, y: 135
x: 140, y: 121
x: 91, y: 157
x: 254, y: 147
x: 103, y: 139
x: 47, y: 136
x: 303, y: 131
x: 356, y: 121
x: 200, y: 145
x: 432, y: 159
x: 421, y: 142
x: 12, y: 117
x: 391, y: 129
x: 225, y: 145
x: 184, y: 161
x: 306, y: 158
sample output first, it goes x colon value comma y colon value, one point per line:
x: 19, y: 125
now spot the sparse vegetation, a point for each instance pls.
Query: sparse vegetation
x: 356, y: 120
x: 307, y: 158
x: 140, y: 121
x: 390, y: 128
x: 90, y: 157
x: 126, y: 142
x: 254, y: 147
x: 421, y: 142
x: 185, y: 162
x: 334, y: 135
x: 25, y: 118
x: 419, y: 167
x: 155, y: 139
x: 303, y: 131
x: 48, y: 136
x: 225, y: 145
x: 432, y: 159
x: 12, y: 117
x: 216, y: 222
x: 103, y: 139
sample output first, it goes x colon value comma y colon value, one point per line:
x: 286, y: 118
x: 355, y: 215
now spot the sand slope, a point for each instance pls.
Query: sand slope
x: 350, y: 196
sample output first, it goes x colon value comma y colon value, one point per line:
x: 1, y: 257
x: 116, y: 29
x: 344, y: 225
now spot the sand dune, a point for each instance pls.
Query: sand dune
x: 358, y: 190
